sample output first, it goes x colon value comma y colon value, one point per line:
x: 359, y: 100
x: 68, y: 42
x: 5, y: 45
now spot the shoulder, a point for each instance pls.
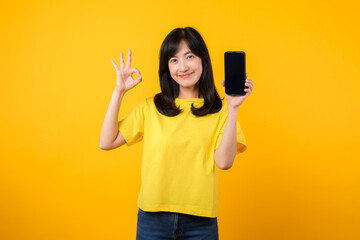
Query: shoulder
x: 224, y: 102
x: 146, y: 103
x: 149, y: 99
x: 223, y: 109
x: 223, y: 113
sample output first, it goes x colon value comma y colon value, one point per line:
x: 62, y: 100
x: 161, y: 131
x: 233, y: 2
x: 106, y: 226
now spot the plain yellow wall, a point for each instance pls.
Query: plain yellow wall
x: 299, y: 178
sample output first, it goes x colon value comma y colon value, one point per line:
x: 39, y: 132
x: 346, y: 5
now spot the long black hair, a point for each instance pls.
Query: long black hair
x: 165, y: 101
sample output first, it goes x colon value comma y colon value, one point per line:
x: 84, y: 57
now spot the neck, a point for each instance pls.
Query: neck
x: 185, y: 93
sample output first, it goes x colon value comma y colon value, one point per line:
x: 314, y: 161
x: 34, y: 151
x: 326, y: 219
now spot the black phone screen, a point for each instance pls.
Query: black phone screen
x: 235, y: 73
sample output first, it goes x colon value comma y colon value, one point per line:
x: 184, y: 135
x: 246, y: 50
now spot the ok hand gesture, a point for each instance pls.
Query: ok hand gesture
x: 124, y: 79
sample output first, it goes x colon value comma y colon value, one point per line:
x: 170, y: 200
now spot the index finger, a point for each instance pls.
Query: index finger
x: 121, y: 60
x: 128, y: 60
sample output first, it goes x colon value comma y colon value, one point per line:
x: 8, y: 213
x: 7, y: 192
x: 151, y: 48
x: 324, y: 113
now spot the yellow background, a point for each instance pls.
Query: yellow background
x: 299, y: 178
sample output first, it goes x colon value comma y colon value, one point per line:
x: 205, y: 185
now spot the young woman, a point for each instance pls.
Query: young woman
x: 188, y: 132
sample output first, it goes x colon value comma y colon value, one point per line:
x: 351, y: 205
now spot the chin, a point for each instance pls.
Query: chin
x: 187, y: 82
x: 187, y: 85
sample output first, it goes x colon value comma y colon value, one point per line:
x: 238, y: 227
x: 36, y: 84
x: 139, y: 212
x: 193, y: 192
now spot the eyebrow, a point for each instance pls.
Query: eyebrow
x: 185, y: 53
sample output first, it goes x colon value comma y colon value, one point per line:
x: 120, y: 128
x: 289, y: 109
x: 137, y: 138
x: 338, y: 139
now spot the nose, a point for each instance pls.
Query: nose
x: 183, y: 66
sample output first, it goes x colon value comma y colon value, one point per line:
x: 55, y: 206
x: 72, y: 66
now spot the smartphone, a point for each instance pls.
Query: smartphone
x: 235, y: 73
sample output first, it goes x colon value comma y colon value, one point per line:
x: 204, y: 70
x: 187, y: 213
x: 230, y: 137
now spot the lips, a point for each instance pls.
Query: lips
x: 185, y: 75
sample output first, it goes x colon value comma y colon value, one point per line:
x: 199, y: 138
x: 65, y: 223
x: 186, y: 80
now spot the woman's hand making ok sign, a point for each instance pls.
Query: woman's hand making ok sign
x: 124, y: 79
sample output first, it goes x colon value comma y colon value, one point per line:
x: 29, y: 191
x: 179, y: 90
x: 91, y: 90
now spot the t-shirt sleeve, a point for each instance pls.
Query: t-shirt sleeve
x: 240, y: 138
x: 132, y: 125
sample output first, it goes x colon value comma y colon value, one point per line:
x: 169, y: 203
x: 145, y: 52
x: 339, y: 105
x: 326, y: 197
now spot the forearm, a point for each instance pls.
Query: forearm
x: 109, y: 129
x: 226, y: 151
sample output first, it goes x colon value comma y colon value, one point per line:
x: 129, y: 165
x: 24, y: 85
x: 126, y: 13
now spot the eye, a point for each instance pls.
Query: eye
x: 173, y: 60
x: 191, y: 56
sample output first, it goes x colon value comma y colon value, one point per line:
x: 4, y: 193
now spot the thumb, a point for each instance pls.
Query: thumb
x: 138, y: 80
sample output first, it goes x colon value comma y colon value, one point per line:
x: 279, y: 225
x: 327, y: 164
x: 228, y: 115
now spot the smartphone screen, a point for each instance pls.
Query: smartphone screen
x: 235, y: 73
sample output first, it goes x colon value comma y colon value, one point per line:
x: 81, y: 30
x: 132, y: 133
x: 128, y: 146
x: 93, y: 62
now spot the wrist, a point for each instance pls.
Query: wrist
x: 118, y: 94
x: 232, y: 110
x: 119, y: 91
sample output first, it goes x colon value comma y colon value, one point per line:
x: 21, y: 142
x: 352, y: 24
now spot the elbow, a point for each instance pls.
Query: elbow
x: 103, y: 146
x: 223, y: 162
x: 225, y: 166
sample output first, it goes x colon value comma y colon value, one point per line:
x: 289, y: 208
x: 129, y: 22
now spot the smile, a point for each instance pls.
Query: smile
x: 185, y: 75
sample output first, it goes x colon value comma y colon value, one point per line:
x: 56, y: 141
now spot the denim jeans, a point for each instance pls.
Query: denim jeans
x: 176, y: 226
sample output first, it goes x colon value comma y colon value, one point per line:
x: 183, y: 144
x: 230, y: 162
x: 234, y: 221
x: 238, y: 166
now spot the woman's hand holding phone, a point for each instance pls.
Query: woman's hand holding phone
x: 124, y: 79
x: 235, y: 101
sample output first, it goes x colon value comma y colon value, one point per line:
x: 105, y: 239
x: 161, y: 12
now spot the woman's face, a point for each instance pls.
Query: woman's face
x: 185, y: 67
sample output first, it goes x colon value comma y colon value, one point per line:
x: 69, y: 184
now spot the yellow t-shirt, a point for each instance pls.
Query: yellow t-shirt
x: 178, y: 170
